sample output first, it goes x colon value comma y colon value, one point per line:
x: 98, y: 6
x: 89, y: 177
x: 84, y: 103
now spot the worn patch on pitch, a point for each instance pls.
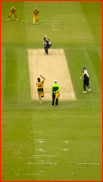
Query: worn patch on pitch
x: 53, y: 67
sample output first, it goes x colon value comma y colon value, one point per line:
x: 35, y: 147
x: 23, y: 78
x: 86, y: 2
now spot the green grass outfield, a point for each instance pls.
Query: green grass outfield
x: 78, y: 30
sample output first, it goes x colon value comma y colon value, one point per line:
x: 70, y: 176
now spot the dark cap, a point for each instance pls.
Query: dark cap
x: 83, y: 67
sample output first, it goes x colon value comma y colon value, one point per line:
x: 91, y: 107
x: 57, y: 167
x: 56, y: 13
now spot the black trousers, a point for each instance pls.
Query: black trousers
x: 86, y: 83
x: 53, y: 100
x: 46, y: 48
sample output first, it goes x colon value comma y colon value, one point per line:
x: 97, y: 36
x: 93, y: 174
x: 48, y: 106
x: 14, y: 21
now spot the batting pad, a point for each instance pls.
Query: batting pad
x: 53, y: 67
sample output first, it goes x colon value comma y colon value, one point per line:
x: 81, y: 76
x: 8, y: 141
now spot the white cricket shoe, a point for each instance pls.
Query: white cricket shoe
x: 16, y: 19
x: 89, y: 90
x: 33, y: 23
x: 84, y: 91
x: 8, y: 19
x: 36, y: 22
x: 40, y: 102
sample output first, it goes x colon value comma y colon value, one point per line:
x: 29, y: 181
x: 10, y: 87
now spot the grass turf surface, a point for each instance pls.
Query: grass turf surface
x: 78, y: 30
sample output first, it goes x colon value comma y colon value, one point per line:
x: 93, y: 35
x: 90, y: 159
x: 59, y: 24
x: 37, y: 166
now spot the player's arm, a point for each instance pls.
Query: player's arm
x: 37, y: 12
x: 58, y: 89
x: 52, y: 88
x: 42, y: 77
x: 82, y: 75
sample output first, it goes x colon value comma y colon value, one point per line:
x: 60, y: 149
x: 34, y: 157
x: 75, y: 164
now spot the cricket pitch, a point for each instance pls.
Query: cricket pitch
x: 53, y: 67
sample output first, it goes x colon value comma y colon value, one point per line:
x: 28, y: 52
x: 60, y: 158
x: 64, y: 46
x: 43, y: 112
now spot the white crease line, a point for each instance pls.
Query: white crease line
x: 66, y: 141
x: 54, y: 29
x: 72, y: 94
x: 41, y: 163
x: 40, y: 139
x: 29, y: 157
x: 33, y: 95
x: 65, y: 149
x: 46, y: 155
x: 71, y: 173
x: 62, y: 51
x: 89, y: 163
x: 41, y: 150
x: 27, y: 174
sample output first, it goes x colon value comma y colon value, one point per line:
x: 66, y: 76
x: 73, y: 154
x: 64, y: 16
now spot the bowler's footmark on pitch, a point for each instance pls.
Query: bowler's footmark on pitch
x: 52, y: 66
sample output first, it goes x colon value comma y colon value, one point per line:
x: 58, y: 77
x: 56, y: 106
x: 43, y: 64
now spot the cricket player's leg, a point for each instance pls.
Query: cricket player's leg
x: 84, y: 86
x: 48, y: 46
x: 39, y: 95
x: 89, y: 89
x: 57, y: 96
x: 34, y: 19
x: 56, y: 102
x: 46, y: 49
x: 53, y: 99
x: 9, y: 16
x: 15, y: 16
x: 42, y: 93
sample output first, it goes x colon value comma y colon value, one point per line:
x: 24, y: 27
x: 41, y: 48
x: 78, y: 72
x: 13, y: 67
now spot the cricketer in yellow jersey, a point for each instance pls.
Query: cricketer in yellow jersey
x: 35, y: 19
x: 40, y: 90
x: 12, y: 11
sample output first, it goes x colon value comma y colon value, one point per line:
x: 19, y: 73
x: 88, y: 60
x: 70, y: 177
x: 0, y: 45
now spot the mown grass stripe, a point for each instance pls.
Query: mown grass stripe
x: 3, y: 62
x: 10, y: 91
x: 23, y: 83
x: 92, y: 13
x: 88, y: 62
x: 97, y: 65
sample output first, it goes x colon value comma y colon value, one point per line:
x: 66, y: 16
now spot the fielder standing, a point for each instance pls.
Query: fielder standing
x: 47, y: 45
x: 36, y: 13
x: 12, y: 11
x: 40, y: 90
x: 55, y: 92
x: 85, y: 80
